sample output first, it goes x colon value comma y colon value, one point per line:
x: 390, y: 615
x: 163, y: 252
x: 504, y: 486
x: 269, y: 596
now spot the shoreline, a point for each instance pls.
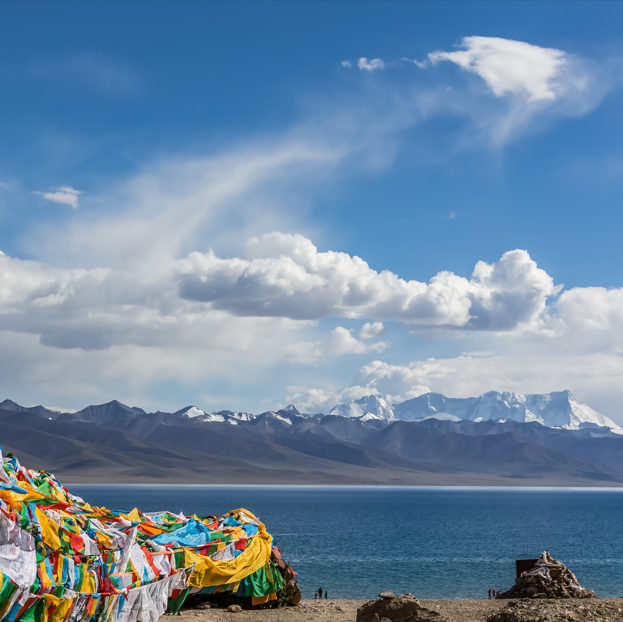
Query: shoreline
x: 493, y: 487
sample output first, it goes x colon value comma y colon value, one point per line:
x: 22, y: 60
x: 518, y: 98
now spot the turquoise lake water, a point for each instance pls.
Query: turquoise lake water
x: 433, y: 542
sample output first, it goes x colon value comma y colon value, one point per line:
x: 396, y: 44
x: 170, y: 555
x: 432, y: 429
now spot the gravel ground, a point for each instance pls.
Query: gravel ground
x: 342, y: 611
x: 593, y: 610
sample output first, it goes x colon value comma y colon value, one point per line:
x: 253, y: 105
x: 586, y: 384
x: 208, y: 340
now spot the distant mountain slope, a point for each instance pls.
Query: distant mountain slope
x: 40, y: 411
x: 211, y: 453
x: 114, y: 442
x: 506, y: 453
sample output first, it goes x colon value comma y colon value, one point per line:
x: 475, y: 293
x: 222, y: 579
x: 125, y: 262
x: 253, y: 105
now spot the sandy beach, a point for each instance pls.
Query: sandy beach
x: 452, y: 610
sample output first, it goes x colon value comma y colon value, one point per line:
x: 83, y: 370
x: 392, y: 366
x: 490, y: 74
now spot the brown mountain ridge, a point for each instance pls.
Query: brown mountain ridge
x: 116, y: 443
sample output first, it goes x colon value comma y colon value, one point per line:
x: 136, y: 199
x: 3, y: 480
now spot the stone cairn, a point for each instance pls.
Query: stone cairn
x: 548, y: 579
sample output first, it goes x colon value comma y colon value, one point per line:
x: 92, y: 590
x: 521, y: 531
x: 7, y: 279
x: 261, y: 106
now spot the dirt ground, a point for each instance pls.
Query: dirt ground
x: 341, y: 611
x: 594, y: 610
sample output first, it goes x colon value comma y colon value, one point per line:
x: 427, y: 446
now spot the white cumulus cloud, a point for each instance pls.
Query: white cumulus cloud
x: 284, y: 275
x: 341, y: 342
x: 591, y: 308
x: 283, y: 279
x: 370, y: 65
x: 509, y: 66
x: 370, y: 330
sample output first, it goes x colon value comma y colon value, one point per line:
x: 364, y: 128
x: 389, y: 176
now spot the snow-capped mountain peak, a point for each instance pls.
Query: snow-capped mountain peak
x: 374, y: 404
x: 228, y: 416
x: 223, y: 416
x: 191, y: 412
x: 558, y: 409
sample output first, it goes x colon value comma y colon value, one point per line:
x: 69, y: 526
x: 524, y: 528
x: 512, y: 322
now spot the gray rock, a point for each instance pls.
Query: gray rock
x: 387, y: 594
x: 293, y: 592
x: 402, y: 608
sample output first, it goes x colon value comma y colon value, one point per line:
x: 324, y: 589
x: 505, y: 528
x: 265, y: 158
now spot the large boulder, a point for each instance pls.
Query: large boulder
x: 402, y: 608
x: 293, y: 593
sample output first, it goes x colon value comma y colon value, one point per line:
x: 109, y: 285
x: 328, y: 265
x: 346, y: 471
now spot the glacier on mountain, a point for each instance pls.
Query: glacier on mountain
x: 558, y: 409
x: 374, y: 404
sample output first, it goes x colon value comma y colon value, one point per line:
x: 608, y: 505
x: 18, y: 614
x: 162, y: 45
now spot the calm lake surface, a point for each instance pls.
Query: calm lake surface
x: 433, y: 542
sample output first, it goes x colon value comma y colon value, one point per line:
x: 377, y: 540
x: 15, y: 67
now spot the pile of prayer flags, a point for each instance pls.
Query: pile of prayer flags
x: 62, y: 560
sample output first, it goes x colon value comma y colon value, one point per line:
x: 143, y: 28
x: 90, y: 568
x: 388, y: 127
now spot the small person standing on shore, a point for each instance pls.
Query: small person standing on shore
x: 320, y: 593
x: 489, y: 593
x: 326, y: 595
x: 316, y: 595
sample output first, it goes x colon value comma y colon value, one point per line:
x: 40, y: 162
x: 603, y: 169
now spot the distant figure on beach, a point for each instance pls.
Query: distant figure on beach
x: 494, y: 593
x: 320, y: 592
x: 316, y: 595
x: 326, y: 595
x: 489, y: 593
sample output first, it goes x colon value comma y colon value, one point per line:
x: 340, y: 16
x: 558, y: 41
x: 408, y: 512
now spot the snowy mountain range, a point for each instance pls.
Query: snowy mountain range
x: 115, y: 442
x: 117, y: 412
x: 559, y: 410
x: 555, y: 410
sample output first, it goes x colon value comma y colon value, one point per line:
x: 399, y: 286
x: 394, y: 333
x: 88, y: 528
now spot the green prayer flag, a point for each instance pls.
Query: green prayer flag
x: 34, y: 613
x: 7, y: 589
x: 175, y: 604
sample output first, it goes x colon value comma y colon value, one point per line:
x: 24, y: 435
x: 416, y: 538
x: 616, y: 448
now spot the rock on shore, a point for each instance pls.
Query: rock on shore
x: 557, y: 611
x: 402, y: 608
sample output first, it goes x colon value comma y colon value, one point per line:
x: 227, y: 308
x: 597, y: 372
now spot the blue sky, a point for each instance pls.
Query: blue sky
x: 335, y: 157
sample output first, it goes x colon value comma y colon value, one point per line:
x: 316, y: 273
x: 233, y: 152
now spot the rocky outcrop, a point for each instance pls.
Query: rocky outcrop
x: 392, y: 608
x: 557, y: 611
x: 548, y: 579
x: 292, y: 593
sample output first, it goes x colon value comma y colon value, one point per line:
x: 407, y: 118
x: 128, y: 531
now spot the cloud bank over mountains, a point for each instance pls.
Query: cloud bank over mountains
x: 284, y: 276
x: 284, y: 285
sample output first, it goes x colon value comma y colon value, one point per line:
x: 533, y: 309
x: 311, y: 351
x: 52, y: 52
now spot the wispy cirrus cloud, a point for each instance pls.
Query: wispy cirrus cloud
x: 96, y: 72
x: 528, y: 86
